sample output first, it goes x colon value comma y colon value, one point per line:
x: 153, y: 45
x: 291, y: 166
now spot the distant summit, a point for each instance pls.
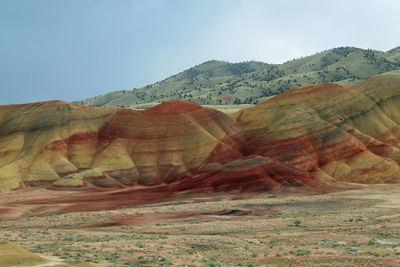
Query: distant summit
x: 220, y: 83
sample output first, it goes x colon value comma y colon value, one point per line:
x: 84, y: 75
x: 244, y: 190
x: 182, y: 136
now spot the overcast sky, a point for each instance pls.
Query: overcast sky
x: 75, y: 49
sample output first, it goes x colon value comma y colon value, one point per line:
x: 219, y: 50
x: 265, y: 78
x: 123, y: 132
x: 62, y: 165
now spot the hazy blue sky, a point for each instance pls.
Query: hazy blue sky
x: 74, y: 49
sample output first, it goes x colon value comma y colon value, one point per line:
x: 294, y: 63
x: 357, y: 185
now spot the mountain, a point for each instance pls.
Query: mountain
x: 220, y: 83
x: 303, y: 137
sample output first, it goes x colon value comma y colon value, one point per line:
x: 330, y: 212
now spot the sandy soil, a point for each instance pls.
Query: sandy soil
x: 358, y: 227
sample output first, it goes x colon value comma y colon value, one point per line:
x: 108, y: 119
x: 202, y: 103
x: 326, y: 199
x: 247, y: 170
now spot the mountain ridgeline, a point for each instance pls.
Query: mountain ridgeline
x: 305, y: 137
x: 221, y: 83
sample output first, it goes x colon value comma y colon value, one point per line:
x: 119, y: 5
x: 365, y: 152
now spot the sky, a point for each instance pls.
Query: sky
x: 74, y: 49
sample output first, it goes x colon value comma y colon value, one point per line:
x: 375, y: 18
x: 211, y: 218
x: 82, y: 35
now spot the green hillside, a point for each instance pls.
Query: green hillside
x: 223, y: 83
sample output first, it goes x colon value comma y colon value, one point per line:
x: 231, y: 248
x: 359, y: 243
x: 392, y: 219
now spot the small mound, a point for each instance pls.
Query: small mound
x: 172, y: 108
x: 233, y: 212
x: 12, y: 255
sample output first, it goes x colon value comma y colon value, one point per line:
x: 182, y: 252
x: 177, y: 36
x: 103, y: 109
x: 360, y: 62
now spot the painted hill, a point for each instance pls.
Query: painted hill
x: 305, y: 136
x: 179, y: 144
x: 220, y: 83
x: 334, y: 132
x: 38, y: 141
x: 12, y: 255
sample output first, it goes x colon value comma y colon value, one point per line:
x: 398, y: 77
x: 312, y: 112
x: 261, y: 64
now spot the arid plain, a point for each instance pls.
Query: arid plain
x: 358, y: 226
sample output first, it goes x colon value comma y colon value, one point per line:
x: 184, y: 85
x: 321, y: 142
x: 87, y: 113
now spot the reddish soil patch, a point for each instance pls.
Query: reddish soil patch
x: 33, y: 203
x: 186, y: 216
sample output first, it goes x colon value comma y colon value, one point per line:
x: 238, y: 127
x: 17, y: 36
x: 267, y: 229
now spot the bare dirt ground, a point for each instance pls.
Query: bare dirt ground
x: 358, y: 227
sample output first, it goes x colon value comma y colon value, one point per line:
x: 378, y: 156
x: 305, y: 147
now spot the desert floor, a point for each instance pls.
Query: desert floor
x: 354, y: 227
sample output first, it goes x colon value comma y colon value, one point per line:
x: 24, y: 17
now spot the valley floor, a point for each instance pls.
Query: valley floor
x: 348, y: 228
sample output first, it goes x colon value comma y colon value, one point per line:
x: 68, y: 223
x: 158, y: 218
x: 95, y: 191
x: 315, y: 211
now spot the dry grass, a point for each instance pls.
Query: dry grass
x: 351, y: 228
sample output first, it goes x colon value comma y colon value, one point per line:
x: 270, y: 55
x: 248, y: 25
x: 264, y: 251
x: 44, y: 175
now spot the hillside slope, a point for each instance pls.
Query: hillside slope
x: 305, y: 136
x: 334, y: 132
x: 176, y: 144
x: 12, y: 255
x: 39, y: 142
x: 216, y: 82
